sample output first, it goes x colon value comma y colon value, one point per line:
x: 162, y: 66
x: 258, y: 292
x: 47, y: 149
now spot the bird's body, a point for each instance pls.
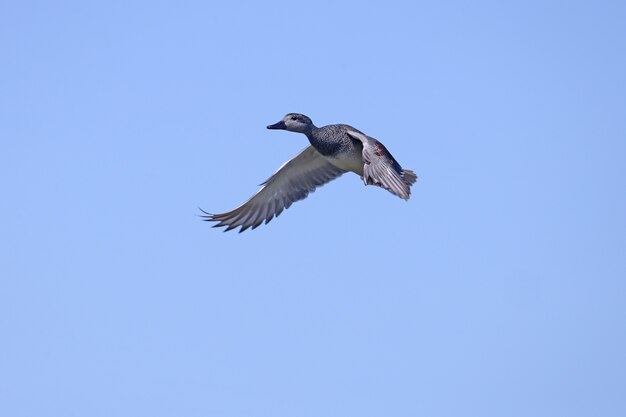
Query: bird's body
x: 335, y: 149
x: 338, y: 147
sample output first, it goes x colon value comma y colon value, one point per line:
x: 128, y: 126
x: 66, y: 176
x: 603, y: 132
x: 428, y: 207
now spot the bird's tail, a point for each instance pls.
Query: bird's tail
x: 409, y: 177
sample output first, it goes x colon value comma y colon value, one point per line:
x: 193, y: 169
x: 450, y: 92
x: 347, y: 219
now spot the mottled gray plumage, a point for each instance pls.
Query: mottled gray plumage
x: 334, y: 150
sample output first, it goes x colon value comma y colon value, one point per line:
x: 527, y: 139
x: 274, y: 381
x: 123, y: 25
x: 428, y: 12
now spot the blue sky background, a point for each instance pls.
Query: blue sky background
x: 499, y: 289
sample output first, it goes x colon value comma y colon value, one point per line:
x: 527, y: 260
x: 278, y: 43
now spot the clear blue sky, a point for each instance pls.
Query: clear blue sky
x: 499, y: 289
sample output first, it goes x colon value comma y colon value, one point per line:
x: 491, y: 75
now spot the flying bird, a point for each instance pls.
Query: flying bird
x: 334, y: 150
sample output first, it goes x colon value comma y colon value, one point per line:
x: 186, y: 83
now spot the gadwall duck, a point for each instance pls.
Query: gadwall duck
x: 334, y: 150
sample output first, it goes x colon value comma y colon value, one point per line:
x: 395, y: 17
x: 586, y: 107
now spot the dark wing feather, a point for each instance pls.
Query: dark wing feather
x: 292, y: 182
x: 381, y: 169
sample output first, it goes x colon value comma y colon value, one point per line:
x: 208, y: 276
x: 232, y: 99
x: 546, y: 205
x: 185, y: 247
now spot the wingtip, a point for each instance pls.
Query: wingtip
x: 206, y: 216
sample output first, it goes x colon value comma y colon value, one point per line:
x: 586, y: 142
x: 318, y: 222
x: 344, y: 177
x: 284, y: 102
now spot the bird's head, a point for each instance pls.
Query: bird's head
x: 294, y: 122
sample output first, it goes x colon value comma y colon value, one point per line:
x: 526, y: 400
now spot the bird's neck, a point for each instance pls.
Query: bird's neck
x: 310, y: 132
x: 321, y: 142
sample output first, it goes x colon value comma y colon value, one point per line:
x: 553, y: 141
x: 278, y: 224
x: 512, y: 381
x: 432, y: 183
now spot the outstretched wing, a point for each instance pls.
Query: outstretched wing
x: 292, y: 182
x: 382, y: 169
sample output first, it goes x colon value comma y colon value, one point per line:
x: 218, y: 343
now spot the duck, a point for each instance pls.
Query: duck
x: 333, y: 151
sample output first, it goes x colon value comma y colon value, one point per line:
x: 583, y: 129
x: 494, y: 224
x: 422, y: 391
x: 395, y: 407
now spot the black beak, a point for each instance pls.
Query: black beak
x: 279, y: 125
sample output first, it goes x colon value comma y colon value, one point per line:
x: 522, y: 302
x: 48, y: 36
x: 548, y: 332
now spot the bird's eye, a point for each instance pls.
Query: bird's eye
x: 294, y: 117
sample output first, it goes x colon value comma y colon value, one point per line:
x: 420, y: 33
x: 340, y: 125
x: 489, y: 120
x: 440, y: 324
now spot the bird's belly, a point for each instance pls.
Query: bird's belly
x: 348, y: 162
